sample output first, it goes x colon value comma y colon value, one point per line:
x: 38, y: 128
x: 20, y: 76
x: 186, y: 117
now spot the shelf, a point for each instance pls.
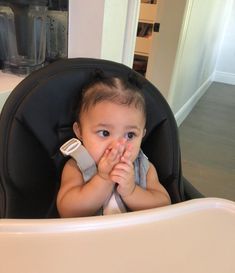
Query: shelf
x: 140, y: 64
x: 147, y: 18
x: 148, y: 13
x: 143, y: 46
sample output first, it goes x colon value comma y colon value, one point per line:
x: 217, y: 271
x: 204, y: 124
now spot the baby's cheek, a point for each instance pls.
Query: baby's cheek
x: 102, y: 151
x: 95, y: 152
x: 134, y: 153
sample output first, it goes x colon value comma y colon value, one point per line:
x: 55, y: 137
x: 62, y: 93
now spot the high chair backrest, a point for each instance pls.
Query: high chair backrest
x: 37, y: 119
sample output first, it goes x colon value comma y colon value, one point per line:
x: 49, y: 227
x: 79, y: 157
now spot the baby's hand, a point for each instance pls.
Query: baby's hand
x: 110, y: 158
x: 123, y: 174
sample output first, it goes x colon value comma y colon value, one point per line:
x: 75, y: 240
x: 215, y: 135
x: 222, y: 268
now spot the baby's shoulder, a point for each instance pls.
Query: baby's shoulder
x: 71, y: 166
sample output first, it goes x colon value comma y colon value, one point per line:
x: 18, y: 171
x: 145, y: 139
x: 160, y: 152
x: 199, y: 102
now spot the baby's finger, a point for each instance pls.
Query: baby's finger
x: 126, y: 158
x: 121, y: 146
x: 123, y: 168
x: 114, y: 154
x: 128, y: 151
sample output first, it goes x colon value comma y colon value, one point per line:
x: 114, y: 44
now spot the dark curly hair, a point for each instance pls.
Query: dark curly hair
x: 116, y: 89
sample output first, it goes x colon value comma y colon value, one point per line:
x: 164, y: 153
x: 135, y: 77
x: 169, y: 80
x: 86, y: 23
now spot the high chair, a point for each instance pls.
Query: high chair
x: 37, y: 119
x: 190, y: 236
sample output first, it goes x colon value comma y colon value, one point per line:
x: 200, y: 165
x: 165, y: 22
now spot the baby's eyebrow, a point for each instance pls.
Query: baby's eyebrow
x: 110, y: 126
x: 133, y: 127
x: 104, y: 125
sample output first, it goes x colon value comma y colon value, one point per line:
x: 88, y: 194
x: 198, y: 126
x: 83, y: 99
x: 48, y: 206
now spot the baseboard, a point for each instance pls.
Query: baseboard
x: 188, y: 106
x: 224, y: 77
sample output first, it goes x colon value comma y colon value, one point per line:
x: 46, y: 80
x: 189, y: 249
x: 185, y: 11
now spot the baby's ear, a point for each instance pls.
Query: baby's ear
x: 77, y: 130
x: 144, y: 132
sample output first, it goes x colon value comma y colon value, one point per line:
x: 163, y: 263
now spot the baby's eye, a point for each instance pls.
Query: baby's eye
x: 130, y: 135
x: 103, y: 133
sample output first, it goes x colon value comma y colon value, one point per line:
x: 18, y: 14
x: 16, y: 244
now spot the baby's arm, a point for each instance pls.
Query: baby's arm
x: 78, y: 199
x: 153, y: 196
x: 135, y: 197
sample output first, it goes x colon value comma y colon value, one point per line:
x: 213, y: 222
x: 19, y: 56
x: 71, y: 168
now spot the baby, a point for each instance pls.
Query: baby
x: 110, y: 123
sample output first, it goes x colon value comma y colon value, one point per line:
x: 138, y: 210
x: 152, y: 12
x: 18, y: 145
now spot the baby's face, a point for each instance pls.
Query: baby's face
x: 107, y: 123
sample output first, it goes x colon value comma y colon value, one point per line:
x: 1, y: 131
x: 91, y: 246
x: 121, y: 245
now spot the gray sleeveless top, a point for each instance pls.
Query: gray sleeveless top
x: 141, y: 166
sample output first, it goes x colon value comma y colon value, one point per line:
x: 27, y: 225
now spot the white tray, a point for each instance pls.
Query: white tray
x: 193, y: 236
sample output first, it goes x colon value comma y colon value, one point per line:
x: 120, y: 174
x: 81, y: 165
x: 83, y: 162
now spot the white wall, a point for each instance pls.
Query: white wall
x: 161, y: 62
x: 115, y: 15
x: 85, y: 28
x: 185, y: 51
x: 197, y: 54
x: 103, y: 29
x: 225, y: 68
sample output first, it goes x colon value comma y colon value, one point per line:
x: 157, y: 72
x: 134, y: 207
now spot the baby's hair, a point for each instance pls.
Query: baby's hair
x: 116, y: 89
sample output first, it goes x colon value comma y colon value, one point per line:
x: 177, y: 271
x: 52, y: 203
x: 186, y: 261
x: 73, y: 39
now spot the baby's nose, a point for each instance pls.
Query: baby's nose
x: 118, y: 142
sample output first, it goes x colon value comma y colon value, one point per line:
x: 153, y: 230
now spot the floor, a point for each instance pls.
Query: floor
x: 207, y: 138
